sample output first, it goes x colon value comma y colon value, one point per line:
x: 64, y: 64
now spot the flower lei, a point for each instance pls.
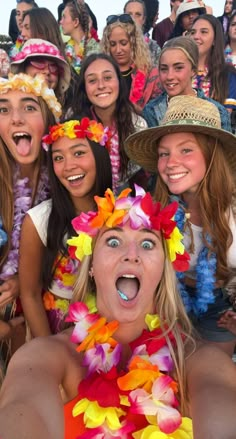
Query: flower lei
x: 3, y: 235
x: 78, y: 129
x: 109, y: 395
x: 139, y: 210
x: 36, y: 86
x: 137, y: 88
x: 205, y: 280
x: 22, y: 203
x: 16, y: 48
x: 75, y: 58
x: 229, y: 58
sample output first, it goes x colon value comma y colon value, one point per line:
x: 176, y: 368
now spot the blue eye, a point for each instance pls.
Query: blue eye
x: 147, y: 244
x: 113, y: 242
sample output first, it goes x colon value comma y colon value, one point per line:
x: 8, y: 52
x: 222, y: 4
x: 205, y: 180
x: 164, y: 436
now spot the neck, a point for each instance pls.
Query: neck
x: 172, y: 16
x: 77, y: 35
x: 233, y: 47
x: 83, y: 204
x: 105, y: 115
x: 202, y: 63
x: 193, y: 207
x: 125, y: 67
x: 31, y: 172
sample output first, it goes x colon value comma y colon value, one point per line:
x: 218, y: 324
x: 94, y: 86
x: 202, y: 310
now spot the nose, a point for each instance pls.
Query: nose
x: 169, y: 74
x: 101, y: 83
x: 69, y: 164
x: 172, y: 160
x: 131, y: 253
x: 17, y: 117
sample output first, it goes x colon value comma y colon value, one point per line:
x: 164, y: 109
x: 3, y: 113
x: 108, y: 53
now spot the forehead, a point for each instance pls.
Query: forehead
x: 99, y: 66
x: 118, y: 33
x: 173, y: 55
x: 134, y: 7
x: 17, y: 96
x: 64, y: 143
x: 201, y: 23
x: 23, y: 7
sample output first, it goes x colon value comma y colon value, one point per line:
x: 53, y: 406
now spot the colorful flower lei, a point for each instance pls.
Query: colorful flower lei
x: 3, y: 235
x: 36, y: 86
x: 139, y: 210
x: 137, y: 89
x: 109, y: 396
x: 22, y: 203
x: 75, y: 58
x: 16, y: 48
x: 79, y: 129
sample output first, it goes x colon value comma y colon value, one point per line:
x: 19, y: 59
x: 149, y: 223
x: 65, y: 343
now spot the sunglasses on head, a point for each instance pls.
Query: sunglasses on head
x: 41, y: 64
x: 122, y: 18
x: 30, y: 2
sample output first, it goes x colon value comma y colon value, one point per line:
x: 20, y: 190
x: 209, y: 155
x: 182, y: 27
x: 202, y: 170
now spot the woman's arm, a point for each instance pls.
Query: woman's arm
x: 30, y: 269
x: 211, y: 379
x: 30, y: 402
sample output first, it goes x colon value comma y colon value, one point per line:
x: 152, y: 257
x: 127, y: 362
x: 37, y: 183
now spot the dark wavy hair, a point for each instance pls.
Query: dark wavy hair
x: 227, y: 39
x: 123, y: 110
x: 218, y: 70
x: 63, y: 209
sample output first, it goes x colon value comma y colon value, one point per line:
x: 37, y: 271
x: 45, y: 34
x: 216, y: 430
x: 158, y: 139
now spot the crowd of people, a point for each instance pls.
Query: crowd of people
x: 118, y: 216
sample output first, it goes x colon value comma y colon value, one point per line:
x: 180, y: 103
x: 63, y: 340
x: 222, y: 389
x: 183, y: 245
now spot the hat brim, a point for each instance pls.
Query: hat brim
x: 64, y: 78
x: 141, y: 147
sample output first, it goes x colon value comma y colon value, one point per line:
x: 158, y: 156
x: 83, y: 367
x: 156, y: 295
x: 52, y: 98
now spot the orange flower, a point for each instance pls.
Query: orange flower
x: 48, y: 301
x: 99, y: 332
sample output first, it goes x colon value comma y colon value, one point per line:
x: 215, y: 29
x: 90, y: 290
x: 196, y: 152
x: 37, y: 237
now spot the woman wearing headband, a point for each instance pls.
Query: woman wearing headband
x: 27, y: 108
x: 79, y: 166
x: 123, y: 40
x: 195, y: 161
x: 130, y: 368
x: 178, y: 64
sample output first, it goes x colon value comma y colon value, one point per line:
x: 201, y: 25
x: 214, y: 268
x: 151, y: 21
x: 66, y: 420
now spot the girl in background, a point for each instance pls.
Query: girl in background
x: 101, y: 95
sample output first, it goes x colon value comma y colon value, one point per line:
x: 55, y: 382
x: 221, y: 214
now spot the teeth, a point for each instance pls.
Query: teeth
x: 176, y: 176
x: 75, y: 177
x: 129, y: 276
x: 20, y: 134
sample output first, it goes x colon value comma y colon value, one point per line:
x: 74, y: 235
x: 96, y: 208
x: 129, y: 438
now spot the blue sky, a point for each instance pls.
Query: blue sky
x: 101, y: 8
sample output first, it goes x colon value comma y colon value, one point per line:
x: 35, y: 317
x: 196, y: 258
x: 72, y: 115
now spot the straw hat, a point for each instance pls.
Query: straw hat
x: 189, y: 5
x: 184, y: 114
x: 35, y: 47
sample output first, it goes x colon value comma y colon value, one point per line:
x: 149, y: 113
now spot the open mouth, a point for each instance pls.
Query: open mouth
x: 127, y: 287
x: 23, y: 143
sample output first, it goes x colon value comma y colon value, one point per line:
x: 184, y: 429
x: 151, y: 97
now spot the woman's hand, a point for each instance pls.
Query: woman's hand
x: 228, y: 321
x: 9, y: 290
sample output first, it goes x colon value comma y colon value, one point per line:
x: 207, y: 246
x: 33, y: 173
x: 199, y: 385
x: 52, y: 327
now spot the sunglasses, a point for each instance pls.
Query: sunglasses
x: 42, y: 64
x: 123, y: 18
x: 30, y: 2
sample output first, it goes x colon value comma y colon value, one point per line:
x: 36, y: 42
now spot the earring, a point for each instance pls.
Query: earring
x: 91, y: 272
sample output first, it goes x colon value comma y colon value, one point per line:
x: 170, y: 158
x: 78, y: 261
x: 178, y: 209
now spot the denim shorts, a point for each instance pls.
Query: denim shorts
x: 206, y: 323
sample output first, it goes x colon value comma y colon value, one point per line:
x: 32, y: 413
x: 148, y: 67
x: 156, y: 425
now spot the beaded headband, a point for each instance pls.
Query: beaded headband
x: 73, y: 129
x: 139, y: 211
x: 37, y: 86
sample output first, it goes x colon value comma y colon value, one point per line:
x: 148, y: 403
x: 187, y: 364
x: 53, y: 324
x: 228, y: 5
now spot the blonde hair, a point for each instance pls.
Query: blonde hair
x: 140, y: 53
x: 215, y: 203
x: 169, y: 307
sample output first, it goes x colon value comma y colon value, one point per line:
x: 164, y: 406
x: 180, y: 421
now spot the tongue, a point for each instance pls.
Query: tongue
x: 23, y: 146
x: 128, y: 287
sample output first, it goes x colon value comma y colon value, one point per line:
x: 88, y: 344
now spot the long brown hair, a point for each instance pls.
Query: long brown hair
x: 215, y: 194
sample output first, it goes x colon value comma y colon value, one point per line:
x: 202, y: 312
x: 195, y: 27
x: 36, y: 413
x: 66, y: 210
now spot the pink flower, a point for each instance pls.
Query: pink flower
x: 79, y: 312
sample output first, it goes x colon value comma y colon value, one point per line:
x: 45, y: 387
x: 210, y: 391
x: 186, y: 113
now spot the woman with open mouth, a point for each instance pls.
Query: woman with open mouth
x: 128, y: 367
x: 27, y: 108
x: 79, y: 167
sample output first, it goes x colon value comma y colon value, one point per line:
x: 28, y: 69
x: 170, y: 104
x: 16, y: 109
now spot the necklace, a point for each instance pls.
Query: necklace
x: 205, y: 273
x: 127, y: 72
x: 22, y: 203
x: 111, y: 393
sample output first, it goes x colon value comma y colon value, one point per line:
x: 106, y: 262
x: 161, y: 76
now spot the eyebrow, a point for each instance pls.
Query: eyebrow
x: 26, y: 99
x: 104, y: 71
x: 144, y: 230
x: 175, y: 64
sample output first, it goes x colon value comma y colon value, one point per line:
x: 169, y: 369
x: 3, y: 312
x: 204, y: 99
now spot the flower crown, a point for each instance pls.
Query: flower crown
x: 73, y: 129
x: 139, y: 210
x: 36, y: 86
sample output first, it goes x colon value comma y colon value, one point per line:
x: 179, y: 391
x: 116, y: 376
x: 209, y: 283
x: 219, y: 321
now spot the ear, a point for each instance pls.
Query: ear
x: 76, y: 22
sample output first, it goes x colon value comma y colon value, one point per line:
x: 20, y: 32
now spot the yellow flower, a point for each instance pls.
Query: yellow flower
x: 69, y: 128
x: 174, y: 244
x: 152, y: 321
x: 94, y: 415
x: 83, y: 244
x: 185, y: 431
x: 62, y: 304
